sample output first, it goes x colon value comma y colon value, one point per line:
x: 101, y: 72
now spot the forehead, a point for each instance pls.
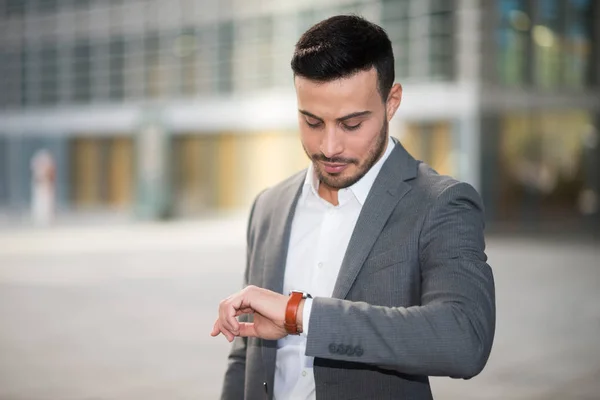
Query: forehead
x: 339, y: 97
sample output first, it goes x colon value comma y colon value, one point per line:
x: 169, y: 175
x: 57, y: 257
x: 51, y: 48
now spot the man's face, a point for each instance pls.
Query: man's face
x: 343, y: 126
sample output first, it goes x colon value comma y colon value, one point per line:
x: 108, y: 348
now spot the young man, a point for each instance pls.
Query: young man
x: 388, y: 255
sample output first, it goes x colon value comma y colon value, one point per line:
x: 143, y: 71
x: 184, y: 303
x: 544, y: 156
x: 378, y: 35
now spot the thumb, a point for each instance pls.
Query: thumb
x: 247, y: 329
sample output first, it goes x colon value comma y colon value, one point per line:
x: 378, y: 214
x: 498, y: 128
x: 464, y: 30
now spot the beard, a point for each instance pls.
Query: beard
x: 341, y: 180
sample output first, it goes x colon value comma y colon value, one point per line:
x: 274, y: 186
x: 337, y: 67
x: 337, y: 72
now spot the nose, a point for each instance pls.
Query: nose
x: 331, y: 144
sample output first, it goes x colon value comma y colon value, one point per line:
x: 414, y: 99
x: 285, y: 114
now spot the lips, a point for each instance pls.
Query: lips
x: 333, y: 168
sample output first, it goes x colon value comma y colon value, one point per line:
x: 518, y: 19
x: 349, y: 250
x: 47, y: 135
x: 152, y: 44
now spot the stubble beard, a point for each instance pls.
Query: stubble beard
x: 338, y: 180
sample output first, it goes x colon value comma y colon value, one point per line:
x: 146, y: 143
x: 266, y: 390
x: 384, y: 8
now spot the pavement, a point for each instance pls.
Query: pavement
x: 123, y: 311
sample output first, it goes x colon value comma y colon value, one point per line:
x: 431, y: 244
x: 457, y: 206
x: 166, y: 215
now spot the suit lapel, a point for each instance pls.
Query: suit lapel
x: 278, y: 239
x: 280, y: 228
x: 389, y: 187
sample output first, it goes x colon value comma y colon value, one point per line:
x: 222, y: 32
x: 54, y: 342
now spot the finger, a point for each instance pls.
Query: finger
x: 246, y: 310
x: 228, y: 325
x: 215, y: 330
x: 227, y: 316
x: 247, y: 329
x: 218, y: 328
x: 231, y: 321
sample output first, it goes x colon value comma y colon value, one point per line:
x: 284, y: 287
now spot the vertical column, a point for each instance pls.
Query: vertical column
x: 468, y: 33
x: 467, y: 128
x: 467, y: 149
x: 153, y: 167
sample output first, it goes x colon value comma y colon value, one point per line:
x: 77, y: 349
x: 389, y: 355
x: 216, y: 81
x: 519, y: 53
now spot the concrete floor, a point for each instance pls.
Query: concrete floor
x: 124, y: 312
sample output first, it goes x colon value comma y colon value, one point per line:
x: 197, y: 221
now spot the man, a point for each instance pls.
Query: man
x: 391, y: 252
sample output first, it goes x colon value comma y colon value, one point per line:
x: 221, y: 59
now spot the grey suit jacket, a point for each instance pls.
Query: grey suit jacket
x: 414, y: 297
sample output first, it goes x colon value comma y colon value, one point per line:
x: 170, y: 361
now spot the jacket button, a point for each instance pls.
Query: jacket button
x: 341, y: 349
x: 332, y: 348
x: 350, y: 350
x: 266, y: 387
x: 358, y: 351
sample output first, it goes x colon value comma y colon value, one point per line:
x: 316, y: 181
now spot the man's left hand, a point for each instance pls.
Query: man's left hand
x: 267, y: 307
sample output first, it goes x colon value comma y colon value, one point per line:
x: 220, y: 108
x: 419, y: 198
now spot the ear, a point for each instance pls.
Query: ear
x: 393, y: 100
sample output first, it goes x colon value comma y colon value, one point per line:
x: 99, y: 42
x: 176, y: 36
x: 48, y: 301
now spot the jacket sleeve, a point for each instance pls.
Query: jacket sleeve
x: 235, y: 375
x: 451, y: 332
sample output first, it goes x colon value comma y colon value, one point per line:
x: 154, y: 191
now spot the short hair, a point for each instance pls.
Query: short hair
x: 342, y: 46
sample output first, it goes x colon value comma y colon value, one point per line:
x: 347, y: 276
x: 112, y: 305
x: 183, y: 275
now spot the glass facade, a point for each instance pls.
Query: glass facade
x: 58, y: 54
x: 578, y: 39
x: 538, y: 167
x: 395, y: 17
x: 225, y: 56
x: 513, y: 41
x: 423, y: 38
x: 546, y: 44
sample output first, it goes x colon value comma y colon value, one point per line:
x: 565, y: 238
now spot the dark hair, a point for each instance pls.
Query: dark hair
x: 341, y: 46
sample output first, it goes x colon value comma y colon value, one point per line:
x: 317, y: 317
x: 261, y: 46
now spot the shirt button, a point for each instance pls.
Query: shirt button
x: 303, y: 373
x: 320, y: 265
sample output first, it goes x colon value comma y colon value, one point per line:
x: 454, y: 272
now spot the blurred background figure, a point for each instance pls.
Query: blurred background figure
x: 185, y: 109
x: 42, y: 187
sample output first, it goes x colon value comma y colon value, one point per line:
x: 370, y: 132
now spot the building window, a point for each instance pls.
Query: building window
x: 82, y: 3
x: 253, y: 53
x: 185, y: 50
x: 10, y: 78
x: 49, y: 75
x: 394, y: 19
x: 224, y: 70
x: 116, y: 51
x: 82, y: 77
x: 422, y: 36
x: 134, y: 69
x: 578, y: 43
x: 513, y: 41
x: 441, y: 40
x: 15, y: 7
x: 30, y: 72
x: 546, y: 35
x: 559, y: 33
x: 207, y: 56
x: 155, y: 69
x: 47, y: 6
x: 4, y: 73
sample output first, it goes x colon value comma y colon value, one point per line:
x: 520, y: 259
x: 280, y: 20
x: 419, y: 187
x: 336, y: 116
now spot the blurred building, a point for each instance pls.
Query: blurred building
x: 185, y: 106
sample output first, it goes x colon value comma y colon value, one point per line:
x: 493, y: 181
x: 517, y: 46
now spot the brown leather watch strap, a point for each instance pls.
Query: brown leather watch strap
x: 291, y: 313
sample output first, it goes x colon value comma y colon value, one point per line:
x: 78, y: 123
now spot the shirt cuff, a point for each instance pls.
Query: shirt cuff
x: 306, y: 316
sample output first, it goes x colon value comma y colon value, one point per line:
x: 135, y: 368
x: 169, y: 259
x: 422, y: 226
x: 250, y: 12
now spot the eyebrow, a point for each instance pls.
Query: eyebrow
x: 341, y: 119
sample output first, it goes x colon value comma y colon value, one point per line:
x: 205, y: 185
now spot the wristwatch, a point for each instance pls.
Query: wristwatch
x: 291, y: 311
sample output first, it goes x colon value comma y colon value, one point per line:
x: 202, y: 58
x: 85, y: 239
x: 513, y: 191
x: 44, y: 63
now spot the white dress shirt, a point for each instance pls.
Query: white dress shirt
x: 318, y: 242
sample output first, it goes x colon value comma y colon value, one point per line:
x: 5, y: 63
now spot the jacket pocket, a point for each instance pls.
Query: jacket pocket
x: 385, y: 259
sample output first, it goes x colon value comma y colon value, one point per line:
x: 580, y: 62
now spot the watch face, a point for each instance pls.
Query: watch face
x: 304, y: 294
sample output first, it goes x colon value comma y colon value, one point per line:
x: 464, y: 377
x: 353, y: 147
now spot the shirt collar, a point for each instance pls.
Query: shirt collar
x: 361, y: 188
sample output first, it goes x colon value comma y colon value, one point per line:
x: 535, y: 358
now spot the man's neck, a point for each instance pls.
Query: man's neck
x: 328, y: 194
